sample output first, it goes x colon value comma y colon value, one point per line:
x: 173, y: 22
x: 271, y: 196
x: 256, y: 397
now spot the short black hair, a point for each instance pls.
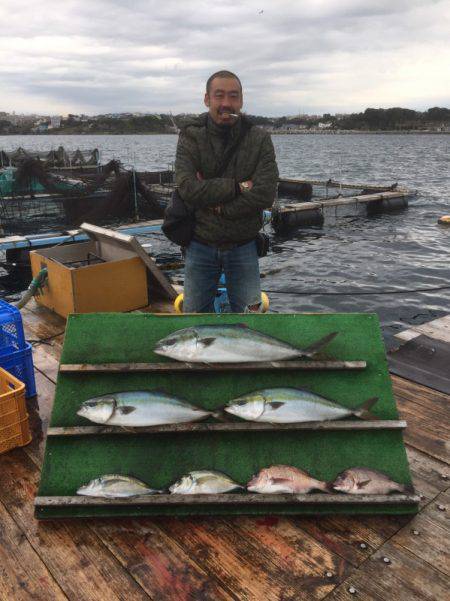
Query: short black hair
x: 228, y: 74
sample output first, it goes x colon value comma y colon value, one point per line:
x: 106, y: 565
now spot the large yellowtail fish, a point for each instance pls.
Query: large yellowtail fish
x: 231, y: 344
x: 140, y: 408
x: 293, y: 405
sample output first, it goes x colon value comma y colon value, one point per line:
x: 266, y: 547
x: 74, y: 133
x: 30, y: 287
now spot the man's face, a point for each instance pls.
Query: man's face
x: 224, y: 97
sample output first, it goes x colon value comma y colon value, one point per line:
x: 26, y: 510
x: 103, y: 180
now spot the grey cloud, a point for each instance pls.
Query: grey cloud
x: 147, y: 55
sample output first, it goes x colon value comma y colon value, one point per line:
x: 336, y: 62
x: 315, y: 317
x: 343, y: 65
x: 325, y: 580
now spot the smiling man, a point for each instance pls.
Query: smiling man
x: 226, y: 172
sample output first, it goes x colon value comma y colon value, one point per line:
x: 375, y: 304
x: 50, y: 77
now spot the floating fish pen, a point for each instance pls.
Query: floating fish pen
x: 36, y: 199
x: 55, y: 159
x: 322, y: 201
x: 304, y: 202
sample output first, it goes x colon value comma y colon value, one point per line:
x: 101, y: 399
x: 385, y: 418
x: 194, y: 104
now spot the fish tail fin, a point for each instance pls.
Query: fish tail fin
x: 329, y: 487
x: 323, y: 486
x: 219, y: 414
x: 363, y: 410
x: 314, y: 348
x: 408, y: 489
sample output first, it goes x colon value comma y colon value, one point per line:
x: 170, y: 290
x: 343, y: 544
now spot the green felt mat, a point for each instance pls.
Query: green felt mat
x: 159, y: 459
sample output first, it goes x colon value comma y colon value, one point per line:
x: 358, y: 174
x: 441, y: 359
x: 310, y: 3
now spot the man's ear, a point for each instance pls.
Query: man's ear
x: 206, y: 99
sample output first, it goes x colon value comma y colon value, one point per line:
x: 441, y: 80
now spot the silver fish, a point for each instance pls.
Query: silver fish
x: 204, y: 482
x: 140, y: 408
x: 365, y: 481
x: 113, y: 486
x: 292, y: 405
x: 284, y: 479
x: 231, y: 344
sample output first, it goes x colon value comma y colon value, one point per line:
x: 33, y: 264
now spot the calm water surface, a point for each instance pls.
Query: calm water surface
x: 399, y: 251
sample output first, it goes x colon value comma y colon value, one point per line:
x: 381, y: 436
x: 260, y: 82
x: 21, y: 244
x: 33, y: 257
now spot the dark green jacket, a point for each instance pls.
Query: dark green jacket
x: 200, y: 149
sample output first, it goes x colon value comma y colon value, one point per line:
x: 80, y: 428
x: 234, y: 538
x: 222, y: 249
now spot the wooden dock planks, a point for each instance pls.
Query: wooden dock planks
x: 405, y: 578
x: 23, y: 574
x: 238, y: 558
x: 427, y: 414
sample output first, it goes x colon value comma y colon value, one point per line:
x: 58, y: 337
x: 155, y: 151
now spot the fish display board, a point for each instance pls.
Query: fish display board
x: 161, y: 458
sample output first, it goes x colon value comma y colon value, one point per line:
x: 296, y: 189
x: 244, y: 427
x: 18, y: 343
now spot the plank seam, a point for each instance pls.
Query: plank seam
x: 94, y: 533
x: 191, y: 559
x: 40, y: 559
x: 389, y: 539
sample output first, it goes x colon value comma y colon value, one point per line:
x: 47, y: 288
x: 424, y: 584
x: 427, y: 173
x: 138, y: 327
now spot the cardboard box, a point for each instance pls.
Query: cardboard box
x: 103, y: 274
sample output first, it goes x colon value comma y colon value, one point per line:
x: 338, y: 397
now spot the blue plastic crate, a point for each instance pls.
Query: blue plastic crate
x: 20, y: 365
x: 12, y: 338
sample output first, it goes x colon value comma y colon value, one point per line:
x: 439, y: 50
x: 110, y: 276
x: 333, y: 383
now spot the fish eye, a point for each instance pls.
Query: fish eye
x: 240, y: 403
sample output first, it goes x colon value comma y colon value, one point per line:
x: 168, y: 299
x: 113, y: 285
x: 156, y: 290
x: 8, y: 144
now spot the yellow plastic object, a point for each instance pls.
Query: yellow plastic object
x: 178, y: 303
x: 265, y: 302
x: 444, y: 220
x: 14, y: 426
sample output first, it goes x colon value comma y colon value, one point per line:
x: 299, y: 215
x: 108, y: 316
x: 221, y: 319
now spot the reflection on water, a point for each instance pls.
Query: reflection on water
x: 399, y: 251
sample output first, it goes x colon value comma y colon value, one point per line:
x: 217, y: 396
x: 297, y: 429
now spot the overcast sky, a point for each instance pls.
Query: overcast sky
x: 307, y: 56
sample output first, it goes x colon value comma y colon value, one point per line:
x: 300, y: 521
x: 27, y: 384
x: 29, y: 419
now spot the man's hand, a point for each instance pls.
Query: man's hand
x: 247, y: 185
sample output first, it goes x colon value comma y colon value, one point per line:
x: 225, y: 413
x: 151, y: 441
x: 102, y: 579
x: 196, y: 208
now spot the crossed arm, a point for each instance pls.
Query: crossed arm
x: 221, y: 193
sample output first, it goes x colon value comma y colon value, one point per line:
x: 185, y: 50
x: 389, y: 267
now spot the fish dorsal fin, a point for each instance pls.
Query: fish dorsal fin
x: 169, y: 397
x: 125, y: 409
x: 111, y: 478
x: 161, y: 391
x: 363, y: 483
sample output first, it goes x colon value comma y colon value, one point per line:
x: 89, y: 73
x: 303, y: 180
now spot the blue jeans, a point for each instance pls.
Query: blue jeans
x: 203, y: 268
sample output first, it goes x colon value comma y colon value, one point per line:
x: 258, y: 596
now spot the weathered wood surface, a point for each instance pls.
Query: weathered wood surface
x: 405, y: 578
x: 262, y: 564
x: 23, y: 574
x: 74, y: 555
x: 268, y: 557
x: 231, y: 499
x: 157, y: 277
x: 157, y: 562
x: 439, y: 329
x: 346, y: 185
x: 189, y: 367
x: 229, y: 427
x: 428, y: 534
x: 427, y: 413
x: 361, y: 199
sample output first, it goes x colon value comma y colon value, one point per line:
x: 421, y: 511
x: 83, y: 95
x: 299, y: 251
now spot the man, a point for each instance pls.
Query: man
x: 225, y: 170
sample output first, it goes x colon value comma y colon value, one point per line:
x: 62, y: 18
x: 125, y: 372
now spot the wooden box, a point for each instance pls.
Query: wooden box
x: 102, y: 274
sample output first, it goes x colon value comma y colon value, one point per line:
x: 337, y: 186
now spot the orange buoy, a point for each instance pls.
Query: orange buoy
x: 444, y: 220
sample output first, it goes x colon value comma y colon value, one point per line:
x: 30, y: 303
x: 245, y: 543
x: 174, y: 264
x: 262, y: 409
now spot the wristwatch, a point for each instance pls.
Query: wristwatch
x: 244, y: 186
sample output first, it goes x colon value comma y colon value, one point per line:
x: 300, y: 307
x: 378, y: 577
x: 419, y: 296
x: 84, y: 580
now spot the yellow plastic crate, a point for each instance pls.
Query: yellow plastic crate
x: 14, y: 426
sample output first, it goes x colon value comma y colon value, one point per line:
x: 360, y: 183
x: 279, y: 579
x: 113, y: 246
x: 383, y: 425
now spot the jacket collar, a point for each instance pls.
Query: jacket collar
x: 204, y: 119
x: 226, y: 133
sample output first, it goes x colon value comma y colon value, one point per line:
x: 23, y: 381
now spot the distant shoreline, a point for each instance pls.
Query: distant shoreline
x: 274, y: 133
